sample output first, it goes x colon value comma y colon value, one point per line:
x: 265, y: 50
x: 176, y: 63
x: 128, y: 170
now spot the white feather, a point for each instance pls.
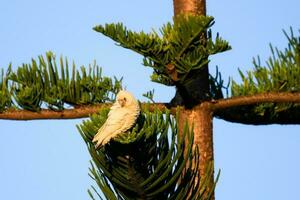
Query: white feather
x: 120, y: 119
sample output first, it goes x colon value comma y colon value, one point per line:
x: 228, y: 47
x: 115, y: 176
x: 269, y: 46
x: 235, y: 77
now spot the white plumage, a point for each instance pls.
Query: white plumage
x: 121, y: 117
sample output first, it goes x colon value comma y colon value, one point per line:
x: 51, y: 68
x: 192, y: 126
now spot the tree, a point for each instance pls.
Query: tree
x: 218, y: 105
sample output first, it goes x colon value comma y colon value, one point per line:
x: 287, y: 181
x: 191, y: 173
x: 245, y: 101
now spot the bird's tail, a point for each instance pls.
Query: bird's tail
x: 100, y: 136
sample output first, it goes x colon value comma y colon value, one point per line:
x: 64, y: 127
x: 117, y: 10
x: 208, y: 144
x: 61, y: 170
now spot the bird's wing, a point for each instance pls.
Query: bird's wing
x: 127, y: 122
x: 113, y: 125
x: 130, y: 118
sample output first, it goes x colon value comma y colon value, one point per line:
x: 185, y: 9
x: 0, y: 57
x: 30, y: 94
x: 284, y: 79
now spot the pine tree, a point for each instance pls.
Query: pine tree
x: 168, y: 154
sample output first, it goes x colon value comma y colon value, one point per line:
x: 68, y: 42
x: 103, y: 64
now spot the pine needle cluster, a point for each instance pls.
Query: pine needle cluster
x: 176, y: 51
x: 280, y: 74
x: 148, y: 162
x: 43, y: 84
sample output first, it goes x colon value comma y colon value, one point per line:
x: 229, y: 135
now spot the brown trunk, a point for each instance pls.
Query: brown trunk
x: 203, y: 139
x: 200, y: 116
x: 196, y: 90
x: 197, y: 7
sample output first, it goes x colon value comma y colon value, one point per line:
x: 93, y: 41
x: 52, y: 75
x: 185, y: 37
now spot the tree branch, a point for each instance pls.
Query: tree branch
x: 259, y: 109
x: 274, y: 97
x: 85, y: 111
x: 74, y: 113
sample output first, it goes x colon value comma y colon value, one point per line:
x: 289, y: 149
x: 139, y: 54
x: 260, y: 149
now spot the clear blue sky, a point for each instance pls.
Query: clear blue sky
x: 46, y: 160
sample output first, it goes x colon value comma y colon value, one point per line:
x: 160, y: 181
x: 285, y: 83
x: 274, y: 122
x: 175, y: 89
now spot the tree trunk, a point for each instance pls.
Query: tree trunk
x: 200, y: 119
x: 197, y: 89
x: 197, y: 7
x: 197, y: 112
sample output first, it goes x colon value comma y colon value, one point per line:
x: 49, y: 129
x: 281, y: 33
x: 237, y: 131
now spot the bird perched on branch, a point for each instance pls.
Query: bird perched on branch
x: 121, y: 117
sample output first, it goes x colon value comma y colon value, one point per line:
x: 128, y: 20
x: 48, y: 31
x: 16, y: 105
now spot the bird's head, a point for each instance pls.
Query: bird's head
x: 125, y: 98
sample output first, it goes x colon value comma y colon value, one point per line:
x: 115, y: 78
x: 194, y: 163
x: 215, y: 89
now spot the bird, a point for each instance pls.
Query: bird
x: 122, y: 116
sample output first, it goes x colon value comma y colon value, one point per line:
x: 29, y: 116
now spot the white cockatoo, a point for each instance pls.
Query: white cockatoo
x: 121, y: 117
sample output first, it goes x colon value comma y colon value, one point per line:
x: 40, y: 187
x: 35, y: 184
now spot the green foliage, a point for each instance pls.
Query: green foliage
x: 216, y: 85
x: 281, y: 74
x: 150, y: 95
x: 5, y: 97
x: 43, y: 83
x: 184, y: 45
x: 147, y: 162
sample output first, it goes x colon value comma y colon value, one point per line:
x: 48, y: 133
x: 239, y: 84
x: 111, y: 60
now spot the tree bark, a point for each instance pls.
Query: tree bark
x: 196, y: 7
x: 274, y: 97
x: 197, y: 114
x: 215, y: 106
x: 74, y: 113
x: 197, y: 89
x: 277, y: 108
x: 199, y: 120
